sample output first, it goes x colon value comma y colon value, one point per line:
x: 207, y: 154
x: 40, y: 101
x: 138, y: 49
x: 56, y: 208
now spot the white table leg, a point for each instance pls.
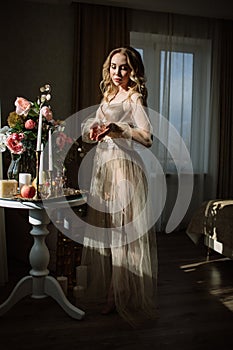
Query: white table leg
x: 22, y: 289
x: 39, y: 284
x: 39, y: 254
x: 53, y: 289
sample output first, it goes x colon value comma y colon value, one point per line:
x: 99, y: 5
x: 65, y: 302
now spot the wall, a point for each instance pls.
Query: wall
x: 36, y: 48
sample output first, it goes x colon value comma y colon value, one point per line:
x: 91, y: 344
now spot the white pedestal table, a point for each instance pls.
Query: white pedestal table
x: 38, y: 283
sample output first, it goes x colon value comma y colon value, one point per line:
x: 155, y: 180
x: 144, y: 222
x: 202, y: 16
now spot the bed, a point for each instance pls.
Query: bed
x: 213, y: 222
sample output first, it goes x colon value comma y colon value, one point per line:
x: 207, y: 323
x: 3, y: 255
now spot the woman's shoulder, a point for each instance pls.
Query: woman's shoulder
x: 136, y: 97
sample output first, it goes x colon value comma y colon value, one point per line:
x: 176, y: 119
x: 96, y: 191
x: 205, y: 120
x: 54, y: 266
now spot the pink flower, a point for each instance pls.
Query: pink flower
x: 30, y: 124
x: 14, y: 143
x: 69, y: 140
x: 47, y: 113
x: 23, y: 106
x: 20, y: 135
x: 62, y: 140
x: 17, y: 136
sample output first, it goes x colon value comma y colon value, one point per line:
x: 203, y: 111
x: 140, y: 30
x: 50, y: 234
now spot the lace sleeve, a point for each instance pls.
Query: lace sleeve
x: 85, y: 127
x: 140, y: 116
x: 142, y: 128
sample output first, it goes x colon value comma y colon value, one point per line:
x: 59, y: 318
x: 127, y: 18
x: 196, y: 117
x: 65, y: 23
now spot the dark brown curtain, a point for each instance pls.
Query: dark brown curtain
x: 98, y: 29
x: 225, y: 176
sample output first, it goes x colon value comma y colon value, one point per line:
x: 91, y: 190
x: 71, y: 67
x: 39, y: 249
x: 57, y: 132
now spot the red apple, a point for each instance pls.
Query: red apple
x: 28, y: 191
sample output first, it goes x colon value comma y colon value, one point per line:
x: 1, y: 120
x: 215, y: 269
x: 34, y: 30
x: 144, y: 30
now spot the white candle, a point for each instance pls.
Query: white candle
x: 78, y: 291
x: 41, y: 165
x: 24, y: 179
x: 39, y: 133
x: 81, y: 276
x: 63, y: 281
x: 50, y: 151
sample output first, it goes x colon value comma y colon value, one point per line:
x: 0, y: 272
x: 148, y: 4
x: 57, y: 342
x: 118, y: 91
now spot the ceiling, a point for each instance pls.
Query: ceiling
x: 205, y: 8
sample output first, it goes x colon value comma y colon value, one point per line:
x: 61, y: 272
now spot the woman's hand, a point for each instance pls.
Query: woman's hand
x: 95, y: 130
x: 112, y: 130
x: 94, y: 133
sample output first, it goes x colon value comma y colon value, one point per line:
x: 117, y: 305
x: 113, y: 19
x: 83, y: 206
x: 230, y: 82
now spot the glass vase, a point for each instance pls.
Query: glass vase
x: 14, y: 167
x: 28, y: 163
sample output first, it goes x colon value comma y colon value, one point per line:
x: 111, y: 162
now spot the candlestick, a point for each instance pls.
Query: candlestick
x: 38, y: 195
x: 39, y: 133
x: 50, y: 189
x: 50, y: 151
x: 41, y: 178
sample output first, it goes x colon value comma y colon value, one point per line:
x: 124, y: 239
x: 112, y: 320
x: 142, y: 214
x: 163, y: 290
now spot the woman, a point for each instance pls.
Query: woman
x: 120, y: 251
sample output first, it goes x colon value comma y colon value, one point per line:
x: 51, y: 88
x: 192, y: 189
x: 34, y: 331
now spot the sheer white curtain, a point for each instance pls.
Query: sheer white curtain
x: 182, y: 81
x: 3, y: 251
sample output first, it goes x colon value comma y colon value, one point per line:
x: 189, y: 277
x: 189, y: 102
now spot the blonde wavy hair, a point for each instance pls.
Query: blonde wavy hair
x: 137, y: 75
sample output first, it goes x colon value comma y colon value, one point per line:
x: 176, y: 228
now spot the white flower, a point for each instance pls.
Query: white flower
x: 4, y: 130
x: 3, y: 138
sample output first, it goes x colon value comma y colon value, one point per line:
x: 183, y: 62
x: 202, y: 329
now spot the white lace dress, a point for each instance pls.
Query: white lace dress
x: 120, y: 241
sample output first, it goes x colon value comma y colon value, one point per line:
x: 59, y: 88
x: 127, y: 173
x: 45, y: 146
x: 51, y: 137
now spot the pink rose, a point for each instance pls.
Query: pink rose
x: 14, y: 143
x: 23, y: 106
x: 20, y: 135
x: 69, y: 140
x: 47, y: 113
x: 30, y: 124
x: 17, y: 136
x: 61, y: 140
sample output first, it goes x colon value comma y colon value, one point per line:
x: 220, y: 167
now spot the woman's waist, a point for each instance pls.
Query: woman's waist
x: 120, y: 143
x: 107, y: 142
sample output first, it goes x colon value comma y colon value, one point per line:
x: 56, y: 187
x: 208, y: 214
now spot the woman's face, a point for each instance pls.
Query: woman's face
x: 119, y: 70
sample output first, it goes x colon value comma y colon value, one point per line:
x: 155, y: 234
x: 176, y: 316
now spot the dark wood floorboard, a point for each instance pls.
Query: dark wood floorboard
x: 195, y: 309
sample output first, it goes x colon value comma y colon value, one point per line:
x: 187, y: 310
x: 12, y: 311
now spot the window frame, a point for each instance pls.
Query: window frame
x: 152, y: 45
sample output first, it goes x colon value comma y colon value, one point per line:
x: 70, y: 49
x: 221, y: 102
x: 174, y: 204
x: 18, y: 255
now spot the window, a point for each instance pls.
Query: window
x: 178, y: 82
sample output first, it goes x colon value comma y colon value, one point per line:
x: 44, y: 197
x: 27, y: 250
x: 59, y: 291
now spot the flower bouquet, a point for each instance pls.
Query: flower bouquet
x: 20, y: 136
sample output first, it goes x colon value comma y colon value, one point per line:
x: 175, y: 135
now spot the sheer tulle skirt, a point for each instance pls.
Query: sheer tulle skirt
x: 119, y: 246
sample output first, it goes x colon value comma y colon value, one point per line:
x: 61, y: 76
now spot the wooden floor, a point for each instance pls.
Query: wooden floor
x: 195, y: 310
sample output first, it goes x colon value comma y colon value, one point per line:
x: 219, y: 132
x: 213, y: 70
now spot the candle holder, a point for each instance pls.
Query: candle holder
x: 50, y: 183
x: 59, y: 183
